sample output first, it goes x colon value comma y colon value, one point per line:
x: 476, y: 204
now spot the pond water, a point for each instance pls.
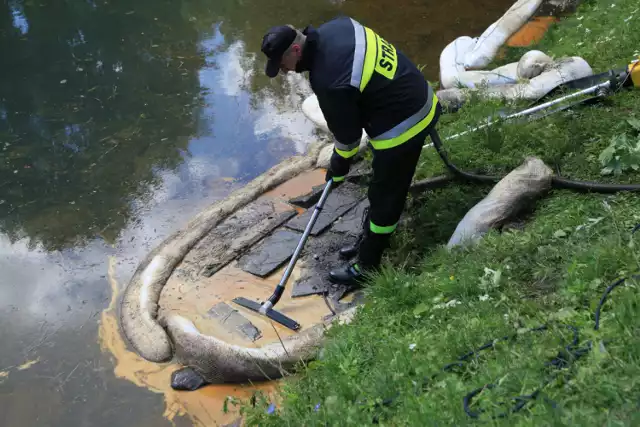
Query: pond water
x: 119, y: 121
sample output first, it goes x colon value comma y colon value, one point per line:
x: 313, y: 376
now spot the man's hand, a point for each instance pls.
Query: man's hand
x: 337, y: 170
x: 337, y: 181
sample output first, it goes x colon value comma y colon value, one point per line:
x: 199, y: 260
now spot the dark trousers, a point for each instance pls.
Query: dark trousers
x: 393, y: 171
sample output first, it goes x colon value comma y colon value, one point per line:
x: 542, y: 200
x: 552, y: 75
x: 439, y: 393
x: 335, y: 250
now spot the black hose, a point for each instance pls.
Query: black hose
x: 596, y: 187
x: 556, y: 182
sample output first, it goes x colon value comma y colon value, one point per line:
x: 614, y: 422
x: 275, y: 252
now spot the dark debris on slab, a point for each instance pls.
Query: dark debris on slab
x: 307, y: 200
x: 339, y: 201
x: 232, y: 237
x: 319, y: 256
x: 358, y: 175
x: 244, y: 241
x: 351, y: 222
x: 234, y: 322
x: 268, y: 255
x: 337, y: 306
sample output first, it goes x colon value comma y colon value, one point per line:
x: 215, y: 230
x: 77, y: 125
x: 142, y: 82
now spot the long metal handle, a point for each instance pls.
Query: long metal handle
x: 277, y: 293
x: 589, y: 90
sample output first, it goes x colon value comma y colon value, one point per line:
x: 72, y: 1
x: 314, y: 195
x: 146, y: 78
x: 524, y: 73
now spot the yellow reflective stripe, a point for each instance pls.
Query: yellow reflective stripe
x: 410, y: 121
x: 377, y: 229
x: 413, y: 131
x: 369, y: 58
x: 348, y: 154
x: 337, y: 178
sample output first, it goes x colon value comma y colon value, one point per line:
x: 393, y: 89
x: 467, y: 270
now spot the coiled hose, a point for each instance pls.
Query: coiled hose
x: 557, y: 181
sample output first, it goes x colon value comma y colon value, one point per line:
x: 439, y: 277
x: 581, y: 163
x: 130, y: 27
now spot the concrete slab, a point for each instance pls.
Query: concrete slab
x: 339, y: 201
x: 234, y: 236
x: 245, y: 240
x: 359, y: 174
x: 234, y: 322
x: 351, y: 222
x: 309, y: 199
x: 319, y: 256
x: 268, y: 255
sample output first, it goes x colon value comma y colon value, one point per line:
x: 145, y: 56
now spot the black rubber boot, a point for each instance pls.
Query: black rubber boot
x: 350, y: 275
x: 351, y: 251
x: 371, y: 249
x: 369, y: 257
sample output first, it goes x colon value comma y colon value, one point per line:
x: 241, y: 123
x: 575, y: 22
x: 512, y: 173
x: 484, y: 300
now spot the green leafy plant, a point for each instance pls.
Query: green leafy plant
x: 623, y: 152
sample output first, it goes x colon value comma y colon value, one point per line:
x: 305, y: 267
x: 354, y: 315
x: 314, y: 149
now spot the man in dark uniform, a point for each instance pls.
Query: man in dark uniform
x: 362, y: 82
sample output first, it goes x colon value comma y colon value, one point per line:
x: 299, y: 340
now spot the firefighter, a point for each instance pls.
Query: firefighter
x: 362, y: 82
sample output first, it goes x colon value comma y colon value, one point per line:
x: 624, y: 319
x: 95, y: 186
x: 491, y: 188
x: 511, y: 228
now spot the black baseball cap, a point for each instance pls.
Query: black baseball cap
x: 274, y: 44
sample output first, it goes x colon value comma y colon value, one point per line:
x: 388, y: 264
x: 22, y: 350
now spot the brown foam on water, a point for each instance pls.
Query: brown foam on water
x: 204, y: 407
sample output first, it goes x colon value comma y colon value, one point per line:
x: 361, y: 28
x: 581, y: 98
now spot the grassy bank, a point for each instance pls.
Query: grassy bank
x: 432, y: 306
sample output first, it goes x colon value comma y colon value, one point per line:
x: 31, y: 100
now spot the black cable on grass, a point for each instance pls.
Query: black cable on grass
x: 604, y: 298
x: 563, y: 360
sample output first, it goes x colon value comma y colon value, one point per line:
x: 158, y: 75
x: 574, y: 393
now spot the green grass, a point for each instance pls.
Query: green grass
x: 430, y: 305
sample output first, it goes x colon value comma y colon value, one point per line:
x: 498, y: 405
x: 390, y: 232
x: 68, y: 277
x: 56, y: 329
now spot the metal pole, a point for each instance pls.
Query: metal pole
x: 277, y: 293
x: 596, y: 88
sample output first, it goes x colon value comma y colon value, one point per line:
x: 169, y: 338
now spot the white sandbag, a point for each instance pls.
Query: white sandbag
x: 311, y: 109
x: 499, y: 32
x: 532, y: 64
x: 475, y: 79
x: 453, y: 98
x: 513, y: 192
x: 559, y: 72
x: 554, y: 74
x: 452, y: 60
x: 324, y: 158
x: 506, y: 74
x: 509, y: 71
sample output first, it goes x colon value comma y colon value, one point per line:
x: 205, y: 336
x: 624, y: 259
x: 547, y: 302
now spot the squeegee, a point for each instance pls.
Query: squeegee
x: 266, y: 308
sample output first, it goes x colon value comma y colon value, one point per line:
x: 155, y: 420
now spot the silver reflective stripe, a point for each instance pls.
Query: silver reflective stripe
x: 410, y: 122
x: 345, y: 147
x: 358, y: 54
